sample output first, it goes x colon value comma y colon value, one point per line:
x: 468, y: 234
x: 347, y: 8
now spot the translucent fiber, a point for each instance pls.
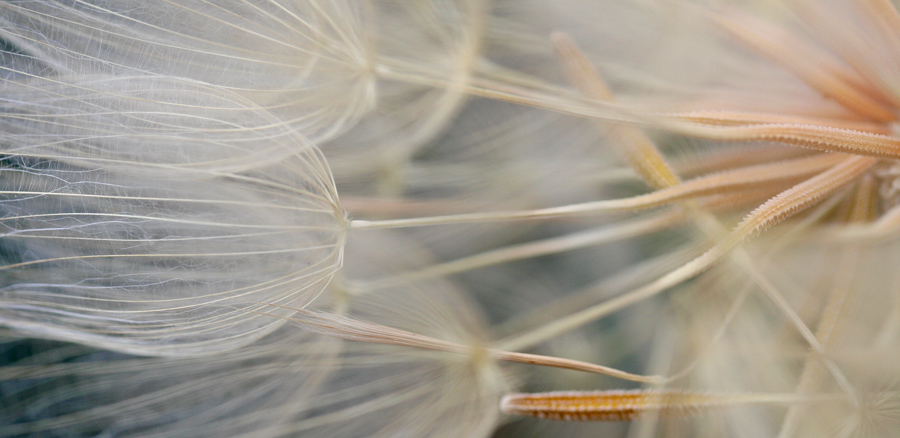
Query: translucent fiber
x: 155, y: 259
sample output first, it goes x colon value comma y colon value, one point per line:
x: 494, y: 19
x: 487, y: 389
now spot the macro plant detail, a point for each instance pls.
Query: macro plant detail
x: 438, y: 218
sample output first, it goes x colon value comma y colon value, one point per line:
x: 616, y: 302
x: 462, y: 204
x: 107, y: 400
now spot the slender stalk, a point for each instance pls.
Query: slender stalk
x: 740, y: 179
x: 363, y: 331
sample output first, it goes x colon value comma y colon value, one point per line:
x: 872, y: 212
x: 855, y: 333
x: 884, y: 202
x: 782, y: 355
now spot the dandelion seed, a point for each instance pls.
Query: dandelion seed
x: 162, y: 259
x: 628, y: 405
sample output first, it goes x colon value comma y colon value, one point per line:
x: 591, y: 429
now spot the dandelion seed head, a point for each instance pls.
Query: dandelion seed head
x: 167, y: 191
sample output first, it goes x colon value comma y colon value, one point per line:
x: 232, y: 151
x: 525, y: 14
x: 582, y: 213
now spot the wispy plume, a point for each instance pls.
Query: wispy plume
x: 377, y: 218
